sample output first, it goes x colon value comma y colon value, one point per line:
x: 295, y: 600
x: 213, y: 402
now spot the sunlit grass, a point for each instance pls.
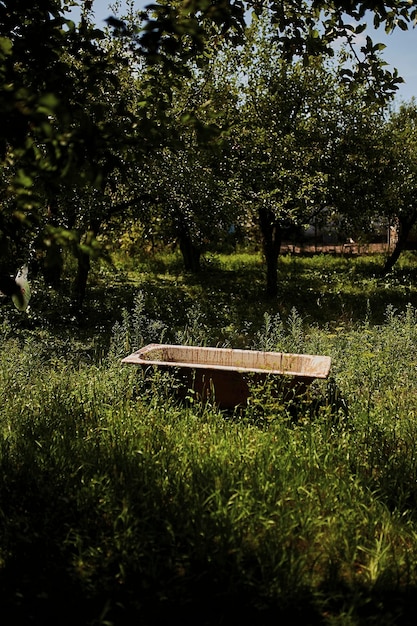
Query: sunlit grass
x: 230, y: 289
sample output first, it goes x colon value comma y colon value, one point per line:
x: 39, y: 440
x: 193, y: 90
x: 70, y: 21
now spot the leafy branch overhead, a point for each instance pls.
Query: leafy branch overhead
x: 185, y: 28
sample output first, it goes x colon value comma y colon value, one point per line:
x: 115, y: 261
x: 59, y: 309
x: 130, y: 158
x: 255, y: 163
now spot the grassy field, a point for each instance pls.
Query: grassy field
x: 121, y: 505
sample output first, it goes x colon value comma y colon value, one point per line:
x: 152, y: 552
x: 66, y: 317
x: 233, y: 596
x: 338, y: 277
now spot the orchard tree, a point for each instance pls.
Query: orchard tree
x: 192, y: 206
x: 400, y: 176
x: 184, y: 190
x: 356, y: 161
x: 283, y: 142
x: 80, y: 210
x: 374, y: 174
x: 70, y: 119
x: 68, y: 123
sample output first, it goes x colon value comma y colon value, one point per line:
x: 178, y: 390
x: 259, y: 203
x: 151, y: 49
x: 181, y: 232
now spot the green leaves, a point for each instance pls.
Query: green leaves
x: 23, y: 180
x: 47, y: 104
x: 6, y: 46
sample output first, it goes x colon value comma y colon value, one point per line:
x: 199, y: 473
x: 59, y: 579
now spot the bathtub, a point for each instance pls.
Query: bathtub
x: 225, y: 374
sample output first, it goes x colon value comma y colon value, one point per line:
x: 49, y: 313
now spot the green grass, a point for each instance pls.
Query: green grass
x: 120, y: 505
x: 230, y: 290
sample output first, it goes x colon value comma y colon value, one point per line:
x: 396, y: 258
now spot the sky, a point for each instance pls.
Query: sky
x: 400, y: 51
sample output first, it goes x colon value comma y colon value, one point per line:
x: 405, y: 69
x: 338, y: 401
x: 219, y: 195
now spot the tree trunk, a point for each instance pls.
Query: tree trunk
x: 271, y: 242
x: 53, y: 265
x: 79, y: 286
x: 190, y: 253
x: 404, y: 228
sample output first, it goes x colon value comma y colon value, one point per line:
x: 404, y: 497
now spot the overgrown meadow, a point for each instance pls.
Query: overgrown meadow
x: 119, y: 504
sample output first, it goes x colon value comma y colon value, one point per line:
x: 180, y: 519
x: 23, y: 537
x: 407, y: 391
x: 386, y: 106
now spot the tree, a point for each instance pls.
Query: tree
x: 290, y: 121
x: 182, y: 189
x: 356, y: 162
x: 191, y: 203
x: 400, y: 176
x: 374, y: 178
x: 58, y: 86
x: 68, y: 126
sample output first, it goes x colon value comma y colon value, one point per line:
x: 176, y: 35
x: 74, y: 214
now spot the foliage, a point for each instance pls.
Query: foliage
x: 64, y: 116
x: 302, y: 29
x: 399, y: 137
x: 186, y: 194
x: 86, y: 116
x: 303, y: 147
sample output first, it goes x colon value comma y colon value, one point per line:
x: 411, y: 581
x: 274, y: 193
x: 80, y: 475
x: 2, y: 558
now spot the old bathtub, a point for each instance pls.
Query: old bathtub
x: 226, y: 375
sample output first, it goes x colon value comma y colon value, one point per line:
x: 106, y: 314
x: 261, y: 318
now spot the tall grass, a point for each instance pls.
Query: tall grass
x: 121, y: 505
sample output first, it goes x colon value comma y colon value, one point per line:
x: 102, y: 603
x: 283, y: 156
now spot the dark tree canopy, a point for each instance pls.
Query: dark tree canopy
x: 57, y: 84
